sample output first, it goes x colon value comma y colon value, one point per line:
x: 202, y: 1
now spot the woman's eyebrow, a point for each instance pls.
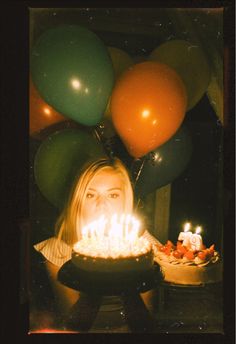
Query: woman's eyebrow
x: 111, y: 189
x: 114, y: 189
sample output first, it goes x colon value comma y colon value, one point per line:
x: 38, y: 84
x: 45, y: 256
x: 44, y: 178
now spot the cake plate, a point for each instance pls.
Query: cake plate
x: 106, y: 283
x: 96, y: 285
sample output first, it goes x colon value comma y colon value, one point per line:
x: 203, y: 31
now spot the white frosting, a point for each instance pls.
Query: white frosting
x: 185, y: 261
x: 104, y: 249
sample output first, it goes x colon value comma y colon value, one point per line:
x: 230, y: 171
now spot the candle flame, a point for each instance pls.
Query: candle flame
x: 124, y: 228
x: 112, y: 237
x: 198, y: 230
x: 187, y: 226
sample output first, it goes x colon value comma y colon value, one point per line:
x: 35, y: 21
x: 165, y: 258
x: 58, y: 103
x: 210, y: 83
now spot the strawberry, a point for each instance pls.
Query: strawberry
x: 167, y: 250
x: 202, y: 255
x: 162, y: 248
x: 181, y: 248
x: 189, y: 255
x: 210, y: 252
x: 177, y: 254
x: 170, y: 244
x: 207, y: 253
x: 212, y: 248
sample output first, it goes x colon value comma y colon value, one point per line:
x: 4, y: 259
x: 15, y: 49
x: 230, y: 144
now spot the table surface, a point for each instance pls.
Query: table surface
x: 189, y: 309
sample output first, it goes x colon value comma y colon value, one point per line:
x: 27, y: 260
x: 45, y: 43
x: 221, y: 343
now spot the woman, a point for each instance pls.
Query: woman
x: 104, y: 187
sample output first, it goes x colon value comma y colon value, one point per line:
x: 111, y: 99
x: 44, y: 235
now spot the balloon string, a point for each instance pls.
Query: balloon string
x: 97, y: 136
x: 107, y: 143
x: 136, y: 179
x: 140, y: 170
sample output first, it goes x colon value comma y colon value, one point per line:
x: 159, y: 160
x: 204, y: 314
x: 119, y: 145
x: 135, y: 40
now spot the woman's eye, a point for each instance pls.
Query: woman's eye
x: 113, y: 195
x: 89, y: 195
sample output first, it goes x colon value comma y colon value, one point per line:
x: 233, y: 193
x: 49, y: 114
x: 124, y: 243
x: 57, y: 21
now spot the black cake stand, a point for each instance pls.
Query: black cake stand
x: 95, y: 285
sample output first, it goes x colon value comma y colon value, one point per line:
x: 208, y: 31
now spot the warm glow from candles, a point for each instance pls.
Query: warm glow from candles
x: 186, y: 235
x: 114, y: 237
x: 198, y: 230
x: 187, y: 226
x: 191, y: 240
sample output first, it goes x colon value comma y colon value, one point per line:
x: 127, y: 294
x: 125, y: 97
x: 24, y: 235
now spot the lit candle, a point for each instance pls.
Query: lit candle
x: 85, y: 233
x: 196, y: 240
x: 115, y: 236
x: 186, y: 235
x: 93, y: 233
x: 122, y: 227
x: 127, y: 223
x: 102, y: 227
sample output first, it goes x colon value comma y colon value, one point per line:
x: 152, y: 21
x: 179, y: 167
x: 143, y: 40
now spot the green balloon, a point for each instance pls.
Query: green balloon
x: 165, y: 163
x: 59, y: 159
x: 73, y: 72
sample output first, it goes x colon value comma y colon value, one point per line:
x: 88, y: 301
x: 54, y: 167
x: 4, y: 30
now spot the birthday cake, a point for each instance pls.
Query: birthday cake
x: 89, y: 256
x: 113, y: 246
x: 181, y: 264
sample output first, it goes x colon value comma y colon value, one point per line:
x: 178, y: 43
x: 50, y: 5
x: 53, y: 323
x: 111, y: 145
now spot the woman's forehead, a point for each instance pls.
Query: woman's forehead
x: 107, y: 177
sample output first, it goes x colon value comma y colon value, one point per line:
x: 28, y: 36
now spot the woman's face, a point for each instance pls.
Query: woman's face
x: 105, y: 196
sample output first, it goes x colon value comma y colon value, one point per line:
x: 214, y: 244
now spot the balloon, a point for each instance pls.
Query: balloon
x: 58, y: 160
x: 107, y: 113
x: 68, y: 124
x: 105, y: 130
x: 148, y: 106
x: 41, y: 114
x: 189, y: 61
x: 73, y: 72
x: 112, y: 144
x: 42, y: 213
x: 164, y: 164
x: 120, y: 60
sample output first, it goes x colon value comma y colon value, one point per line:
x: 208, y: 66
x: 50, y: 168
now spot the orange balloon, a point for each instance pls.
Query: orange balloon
x: 41, y: 114
x: 121, y: 61
x: 148, y: 105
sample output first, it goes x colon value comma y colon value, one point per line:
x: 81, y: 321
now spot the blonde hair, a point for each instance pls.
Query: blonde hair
x: 69, y: 224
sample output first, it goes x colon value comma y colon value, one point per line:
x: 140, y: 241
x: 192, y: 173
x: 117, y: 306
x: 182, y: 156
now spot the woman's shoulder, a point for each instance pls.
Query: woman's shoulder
x: 51, y: 242
x: 54, y: 250
x: 152, y: 239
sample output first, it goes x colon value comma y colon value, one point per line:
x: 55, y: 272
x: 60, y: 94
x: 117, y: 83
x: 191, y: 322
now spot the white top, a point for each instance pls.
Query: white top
x: 54, y: 250
x: 58, y: 252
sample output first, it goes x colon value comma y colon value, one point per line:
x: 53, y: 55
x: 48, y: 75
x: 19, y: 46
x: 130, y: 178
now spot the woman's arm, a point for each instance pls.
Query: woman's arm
x: 65, y: 297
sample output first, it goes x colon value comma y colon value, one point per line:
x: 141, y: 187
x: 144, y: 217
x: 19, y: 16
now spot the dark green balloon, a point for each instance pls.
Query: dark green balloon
x: 58, y: 160
x: 72, y: 70
x: 165, y: 163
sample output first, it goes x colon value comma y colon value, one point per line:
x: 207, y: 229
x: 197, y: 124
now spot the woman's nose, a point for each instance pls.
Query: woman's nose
x: 100, y: 201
